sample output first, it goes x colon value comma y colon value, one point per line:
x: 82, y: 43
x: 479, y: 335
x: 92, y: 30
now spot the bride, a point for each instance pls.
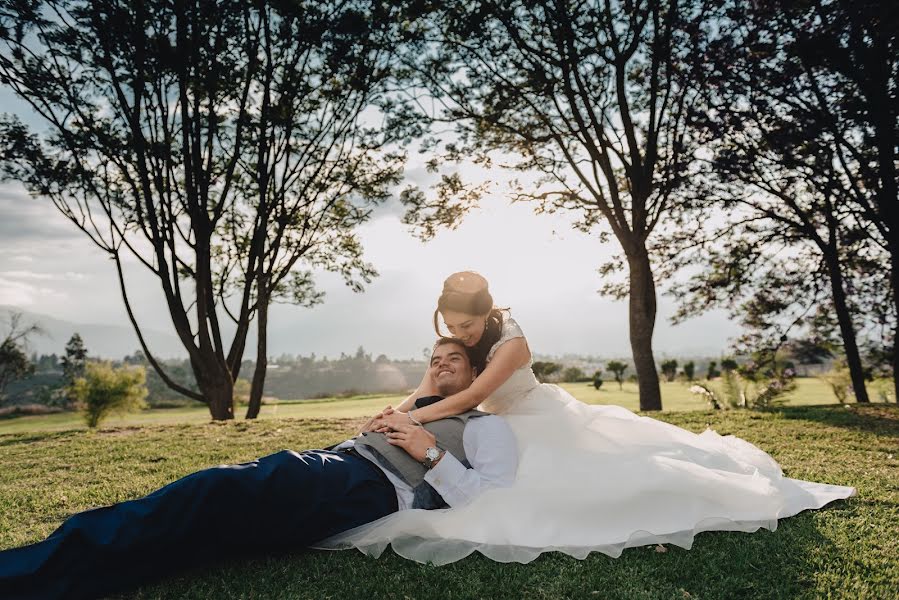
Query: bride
x: 590, y: 478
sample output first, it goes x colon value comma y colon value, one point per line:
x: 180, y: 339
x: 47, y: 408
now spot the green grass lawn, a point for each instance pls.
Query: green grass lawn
x: 848, y: 550
x: 675, y: 397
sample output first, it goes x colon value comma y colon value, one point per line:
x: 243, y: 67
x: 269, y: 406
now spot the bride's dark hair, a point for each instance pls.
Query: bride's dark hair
x: 467, y: 292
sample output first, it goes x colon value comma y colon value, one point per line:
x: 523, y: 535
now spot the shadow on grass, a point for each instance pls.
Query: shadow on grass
x: 781, y: 564
x: 13, y: 439
x: 877, y: 419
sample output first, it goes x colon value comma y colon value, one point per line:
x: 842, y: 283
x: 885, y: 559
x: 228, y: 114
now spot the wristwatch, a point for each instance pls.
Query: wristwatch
x: 432, y: 455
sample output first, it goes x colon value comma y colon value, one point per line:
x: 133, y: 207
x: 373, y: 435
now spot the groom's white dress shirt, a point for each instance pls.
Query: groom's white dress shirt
x: 491, y: 451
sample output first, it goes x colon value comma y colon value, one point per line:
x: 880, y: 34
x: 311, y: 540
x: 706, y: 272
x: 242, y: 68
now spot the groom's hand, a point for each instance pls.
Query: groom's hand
x: 413, y: 439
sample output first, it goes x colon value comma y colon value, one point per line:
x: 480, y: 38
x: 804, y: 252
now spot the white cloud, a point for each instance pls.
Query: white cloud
x: 19, y: 293
x: 67, y: 276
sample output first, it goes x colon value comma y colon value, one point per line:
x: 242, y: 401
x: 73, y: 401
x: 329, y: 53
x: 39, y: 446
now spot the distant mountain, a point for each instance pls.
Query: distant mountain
x: 104, y: 341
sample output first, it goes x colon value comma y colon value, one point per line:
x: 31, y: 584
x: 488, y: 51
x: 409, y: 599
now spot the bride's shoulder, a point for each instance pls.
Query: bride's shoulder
x: 510, y: 330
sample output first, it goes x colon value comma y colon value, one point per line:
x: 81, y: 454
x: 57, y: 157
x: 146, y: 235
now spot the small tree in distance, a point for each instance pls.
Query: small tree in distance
x: 618, y: 368
x: 105, y: 390
x: 74, y: 362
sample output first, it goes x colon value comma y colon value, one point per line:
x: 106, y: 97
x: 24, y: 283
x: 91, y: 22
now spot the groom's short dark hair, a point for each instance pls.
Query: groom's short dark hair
x: 442, y: 341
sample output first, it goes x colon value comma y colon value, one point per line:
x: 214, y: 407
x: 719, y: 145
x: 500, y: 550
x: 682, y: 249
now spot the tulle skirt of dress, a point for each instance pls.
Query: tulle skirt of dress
x: 599, y: 479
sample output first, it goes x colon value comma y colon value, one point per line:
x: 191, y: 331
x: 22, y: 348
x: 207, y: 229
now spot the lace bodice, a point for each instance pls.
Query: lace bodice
x: 519, y: 383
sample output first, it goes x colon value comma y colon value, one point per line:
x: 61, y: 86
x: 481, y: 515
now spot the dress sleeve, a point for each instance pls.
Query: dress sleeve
x: 510, y: 331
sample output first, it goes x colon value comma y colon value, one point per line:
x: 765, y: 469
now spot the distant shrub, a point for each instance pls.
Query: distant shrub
x: 689, y: 370
x: 173, y: 403
x: 574, y: 375
x: 840, y: 382
x: 886, y: 391
x: 241, y: 391
x: 739, y: 391
x: 22, y: 410
x: 104, y: 390
x: 544, y: 370
x: 597, y: 379
x: 669, y: 369
x: 707, y: 393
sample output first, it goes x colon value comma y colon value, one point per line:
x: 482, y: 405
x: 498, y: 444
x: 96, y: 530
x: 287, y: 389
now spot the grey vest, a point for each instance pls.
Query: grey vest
x: 448, y: 432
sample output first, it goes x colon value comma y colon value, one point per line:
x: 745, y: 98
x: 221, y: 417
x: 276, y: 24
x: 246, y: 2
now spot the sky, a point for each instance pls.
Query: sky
x: 537, y: 265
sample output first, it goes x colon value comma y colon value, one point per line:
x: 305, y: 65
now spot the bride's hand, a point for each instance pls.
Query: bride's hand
x: 373, y: 424
x: 392, y: 420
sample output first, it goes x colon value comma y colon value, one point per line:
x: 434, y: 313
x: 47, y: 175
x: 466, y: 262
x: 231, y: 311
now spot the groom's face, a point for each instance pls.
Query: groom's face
x: 450, y: 369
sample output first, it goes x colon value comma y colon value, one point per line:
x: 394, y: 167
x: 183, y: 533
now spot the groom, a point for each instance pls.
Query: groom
x: 284, y: 501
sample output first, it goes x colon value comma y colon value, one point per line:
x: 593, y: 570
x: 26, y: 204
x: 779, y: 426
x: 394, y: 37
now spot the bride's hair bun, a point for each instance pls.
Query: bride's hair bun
x: 466, y: 292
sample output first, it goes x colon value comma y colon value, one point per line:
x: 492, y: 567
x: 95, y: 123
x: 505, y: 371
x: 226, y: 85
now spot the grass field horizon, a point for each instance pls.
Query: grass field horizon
x: 676, y: 397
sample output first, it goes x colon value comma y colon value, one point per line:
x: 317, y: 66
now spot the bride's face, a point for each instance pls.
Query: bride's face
x: 465, y: 327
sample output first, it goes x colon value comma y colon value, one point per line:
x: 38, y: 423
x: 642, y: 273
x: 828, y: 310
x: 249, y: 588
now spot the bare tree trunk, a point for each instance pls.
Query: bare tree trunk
x: 642, y: 312
x: 847, y: 330
x: 221, y: 400
x: 883, y: 113
x: 261, y: 361
x: 894, y: 277
x: 217, y: 387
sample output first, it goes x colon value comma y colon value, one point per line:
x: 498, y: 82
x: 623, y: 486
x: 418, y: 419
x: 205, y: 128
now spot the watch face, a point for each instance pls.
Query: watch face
x: 432, y: 453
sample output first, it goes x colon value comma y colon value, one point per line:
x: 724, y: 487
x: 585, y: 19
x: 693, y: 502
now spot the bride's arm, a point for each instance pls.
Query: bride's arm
x: 424, y: 389
x: 509, y: 357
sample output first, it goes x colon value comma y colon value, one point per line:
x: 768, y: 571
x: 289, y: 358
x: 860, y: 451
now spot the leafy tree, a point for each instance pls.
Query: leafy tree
x: 227, y: 146
x: 809, y: 351
x: 669, y: 369
x: 728, y: 365
x: 618, y: 368
x: 573, y: 375
x: 805, y: 127
x: 543, y: 370
x: 689, y: 370
x: 592, y: 96
x: 104, y: 390
x: 712, y: 371
x: 14, y: 363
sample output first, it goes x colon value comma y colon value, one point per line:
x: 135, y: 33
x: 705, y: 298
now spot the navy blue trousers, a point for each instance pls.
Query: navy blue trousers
x: 282, y: 502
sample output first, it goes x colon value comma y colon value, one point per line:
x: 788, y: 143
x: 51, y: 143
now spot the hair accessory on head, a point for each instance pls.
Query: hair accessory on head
x: 467, y: 292
x: 466, y: 282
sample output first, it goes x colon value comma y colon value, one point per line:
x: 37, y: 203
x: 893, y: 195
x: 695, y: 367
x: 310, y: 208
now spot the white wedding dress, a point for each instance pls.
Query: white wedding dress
x: 596, y: 478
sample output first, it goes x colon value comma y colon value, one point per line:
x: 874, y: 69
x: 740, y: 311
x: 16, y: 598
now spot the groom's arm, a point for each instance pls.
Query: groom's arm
x: 493, y: 455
